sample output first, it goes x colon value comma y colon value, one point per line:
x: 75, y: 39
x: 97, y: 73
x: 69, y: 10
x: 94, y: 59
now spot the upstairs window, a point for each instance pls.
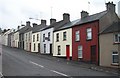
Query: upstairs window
x: 117, y: 38
x: 49, y: 36
x: 77, y: 36
x: 64, y: 35
x: 89, y: 33
x: 26, y: 37
x: 57, y: 37
x: 37, y: 37
x: 43, y: 37
x: 33, y: 38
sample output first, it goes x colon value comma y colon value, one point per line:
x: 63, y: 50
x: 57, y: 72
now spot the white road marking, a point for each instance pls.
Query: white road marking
x: 36, y: 64
x: 1, y: 74
x: 59, y: 73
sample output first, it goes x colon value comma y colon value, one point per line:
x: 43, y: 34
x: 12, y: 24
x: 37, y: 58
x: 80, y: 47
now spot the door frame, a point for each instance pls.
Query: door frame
x: 68, y: 52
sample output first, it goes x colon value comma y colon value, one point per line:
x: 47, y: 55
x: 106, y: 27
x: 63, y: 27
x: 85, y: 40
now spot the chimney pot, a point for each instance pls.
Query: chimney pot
x: 28, y: 23
x: 52, y: 21
x: 43, y: 22
x: 84, y: 14
x: 66, y: 17
x: 110, y: 6
x: 34, y: 24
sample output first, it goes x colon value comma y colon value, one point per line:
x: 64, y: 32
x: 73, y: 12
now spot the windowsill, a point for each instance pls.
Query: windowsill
x: 116, y: 43
x: 57, y: 41
x: 64, y: 40
x: 77, y: 40
x: 115, y: 64
x: 88, y: 39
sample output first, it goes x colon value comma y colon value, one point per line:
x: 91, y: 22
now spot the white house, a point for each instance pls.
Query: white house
x: 63, y: 40
x: 16, y: 39
x: 46, y: 46
x: 35, y: 44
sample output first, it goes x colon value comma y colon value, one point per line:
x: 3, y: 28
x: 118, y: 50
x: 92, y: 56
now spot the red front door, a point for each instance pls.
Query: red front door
x: 68, y: 52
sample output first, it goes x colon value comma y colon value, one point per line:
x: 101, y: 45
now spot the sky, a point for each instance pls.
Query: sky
x: 17, y: 12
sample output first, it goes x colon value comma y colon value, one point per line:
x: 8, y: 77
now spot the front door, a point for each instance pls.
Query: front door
x: 50, y: 49
x: 93, y: 54
x: 38, y: 47
x: 68, y: 52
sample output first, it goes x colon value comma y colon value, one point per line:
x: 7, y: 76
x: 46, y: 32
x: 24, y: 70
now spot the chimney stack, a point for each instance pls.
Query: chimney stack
x: 34, y: 24
x: 52, y: 21
x: 110, y: 6
x: 28, y: 23
x: 84, y: 14
x: 18, y: 27
x: 43, y: 22
x: 66, y: 17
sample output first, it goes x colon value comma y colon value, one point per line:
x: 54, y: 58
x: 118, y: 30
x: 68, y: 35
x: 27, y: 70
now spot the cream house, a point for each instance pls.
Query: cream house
x: 63, y: 40
x: 109, y: 41
x: 36, y: 34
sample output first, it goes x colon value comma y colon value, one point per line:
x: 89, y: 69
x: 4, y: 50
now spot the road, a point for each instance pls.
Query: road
x: 18, y: 62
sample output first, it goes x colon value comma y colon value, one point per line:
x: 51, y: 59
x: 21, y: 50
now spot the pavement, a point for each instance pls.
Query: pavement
x: 18, y: 62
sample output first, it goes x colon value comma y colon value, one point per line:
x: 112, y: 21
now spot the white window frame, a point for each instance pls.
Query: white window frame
x: 59, y: 50
x: 89, y: 33
x: 118, y: 38
x: 37, y: 37
x: 80, y: 51
x: 77, y: 35
x: 113, y: 57
x: 64, y: 36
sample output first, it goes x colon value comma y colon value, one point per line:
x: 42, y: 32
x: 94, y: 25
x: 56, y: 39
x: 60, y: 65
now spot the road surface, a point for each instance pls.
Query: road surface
x: 18, y: 62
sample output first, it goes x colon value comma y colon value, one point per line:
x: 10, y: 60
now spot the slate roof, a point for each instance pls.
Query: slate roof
x: 114, y: 27
x: 23, y: 30
x: 91, y: 18
x: 38, y: 28
x: 56, y: 25
x: 67, y: 25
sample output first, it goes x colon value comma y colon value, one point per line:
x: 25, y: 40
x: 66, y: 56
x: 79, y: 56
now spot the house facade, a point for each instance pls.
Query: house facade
x: 16, y: 39
x: 47, y: 34
x: 85, y: 38
x: 63, y: 40
x: 36, y: 36
x: 110, y: 46
x: 22, y: 31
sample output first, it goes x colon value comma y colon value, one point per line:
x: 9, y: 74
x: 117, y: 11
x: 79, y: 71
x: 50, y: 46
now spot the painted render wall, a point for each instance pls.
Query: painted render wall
x: 46, y: 41
x: 63, y: 43
x: 107, y: 46
x: 27, y: 40
x: 36, y: 42
x: 16, y: 39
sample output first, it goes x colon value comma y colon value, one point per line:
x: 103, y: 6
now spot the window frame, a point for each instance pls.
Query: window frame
x: 34, y: 46
x: 59, y: 50
x: 43, y: 37
x: 77, y: 35
x: 44, y: 48
x: 113, y: 57
x: 64, y: 36
x: 87, y: 33
x: 80, y: 51
x: 118, y: 38
x: 33, y: 38
x: 57, y: 37
x: 48, y: 36
x: 37, y: 37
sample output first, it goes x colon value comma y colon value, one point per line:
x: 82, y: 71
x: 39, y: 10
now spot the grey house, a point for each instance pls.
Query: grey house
x: 21, y: 35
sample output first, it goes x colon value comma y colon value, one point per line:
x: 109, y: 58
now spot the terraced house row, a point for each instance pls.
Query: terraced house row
x: 92, y: 38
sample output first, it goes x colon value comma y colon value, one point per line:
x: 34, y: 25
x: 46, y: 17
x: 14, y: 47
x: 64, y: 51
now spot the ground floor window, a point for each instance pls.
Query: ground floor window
x: 44, y: 48
x: 115, y: 57
x: 80, y: 50
x: 58, y: 50
x: 34, y: 46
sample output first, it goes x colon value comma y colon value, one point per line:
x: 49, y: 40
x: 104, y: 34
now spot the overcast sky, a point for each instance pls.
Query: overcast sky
x: 15, y: 12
